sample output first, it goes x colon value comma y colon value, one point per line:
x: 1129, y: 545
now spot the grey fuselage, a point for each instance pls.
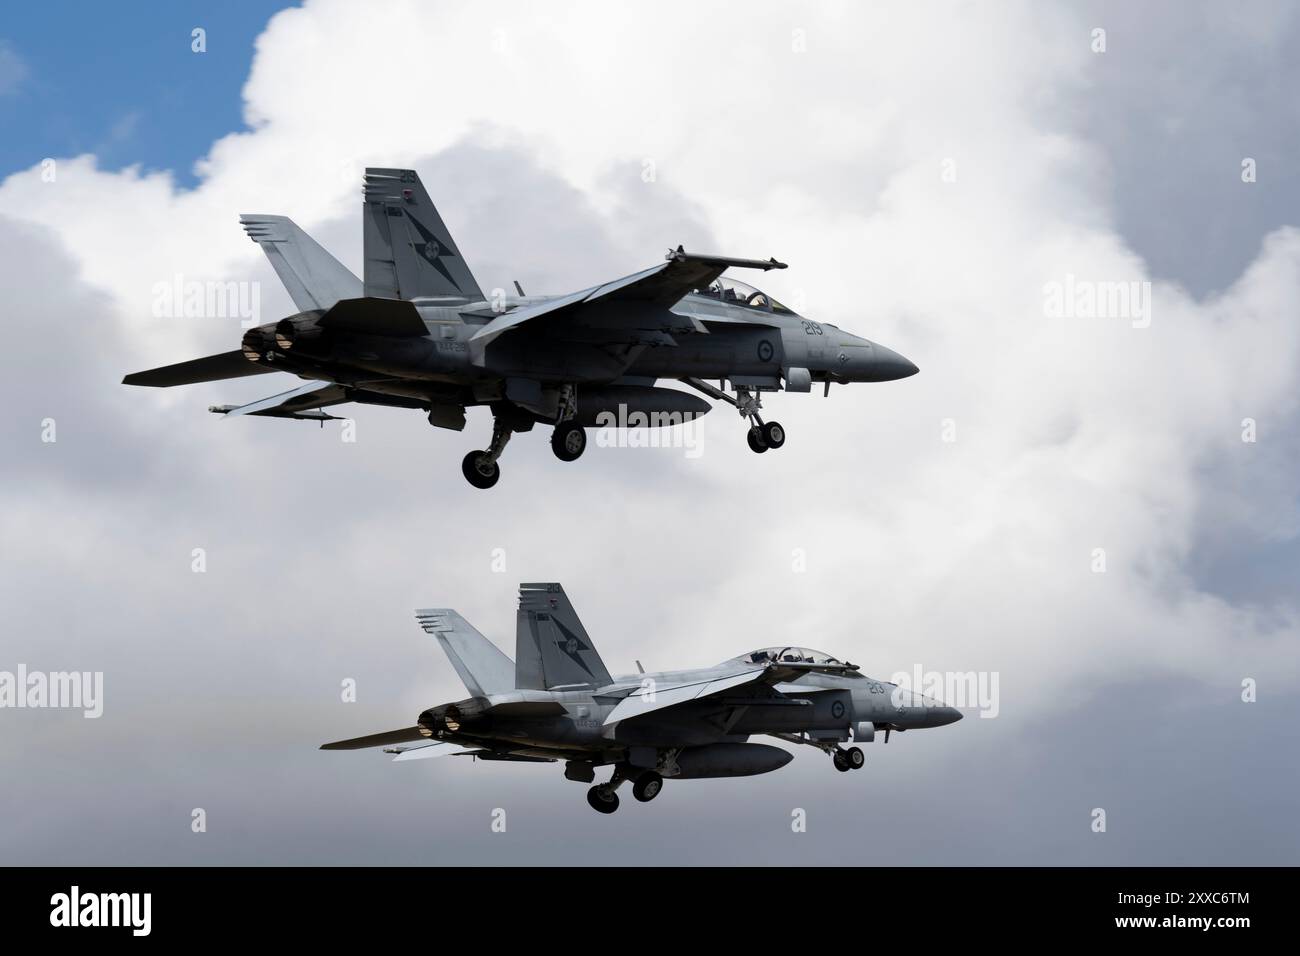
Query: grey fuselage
x: 571, y: 724
x: 445, y: 366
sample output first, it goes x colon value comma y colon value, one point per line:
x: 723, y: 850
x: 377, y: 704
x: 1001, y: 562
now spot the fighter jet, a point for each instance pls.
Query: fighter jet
x: 419, y: 332
x: 557, y: 701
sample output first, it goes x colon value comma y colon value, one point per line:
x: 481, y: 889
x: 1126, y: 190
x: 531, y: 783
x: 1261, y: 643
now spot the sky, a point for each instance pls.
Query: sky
x: 1064, y: 500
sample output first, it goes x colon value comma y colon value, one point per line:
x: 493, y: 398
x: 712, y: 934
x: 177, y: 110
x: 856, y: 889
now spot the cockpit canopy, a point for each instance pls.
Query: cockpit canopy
x: 732, y: 292
x: 793, y: 655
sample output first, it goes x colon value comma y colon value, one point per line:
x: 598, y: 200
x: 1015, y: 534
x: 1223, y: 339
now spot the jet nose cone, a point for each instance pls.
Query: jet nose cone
x: 893, y: 366
x: 946, y: 715
x: 881, y: 364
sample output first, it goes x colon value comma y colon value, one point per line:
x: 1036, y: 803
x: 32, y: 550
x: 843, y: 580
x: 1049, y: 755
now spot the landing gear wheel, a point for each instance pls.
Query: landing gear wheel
x: 568, y: 441
x: 478, y: 471
x: 855, y: 758
x: 841, y: 761
x: 647, y: 786
x: 755, y: 438
x: 602, y: 799
x: 773, y: 434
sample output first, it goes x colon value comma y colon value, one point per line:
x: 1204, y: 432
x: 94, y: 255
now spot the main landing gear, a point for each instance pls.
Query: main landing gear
x: 761, y: 435
x: 568, y: 441
x: 603, y: 797
x: 647, y: 786
x: 480, y: 467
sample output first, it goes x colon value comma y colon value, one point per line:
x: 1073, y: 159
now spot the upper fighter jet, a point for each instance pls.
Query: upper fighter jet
x: 420, y: 333
x: 557, y: 701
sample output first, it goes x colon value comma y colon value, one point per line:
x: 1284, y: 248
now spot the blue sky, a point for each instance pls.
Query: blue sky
x: 121, y: 80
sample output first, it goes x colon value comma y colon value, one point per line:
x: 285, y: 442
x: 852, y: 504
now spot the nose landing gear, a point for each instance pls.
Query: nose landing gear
x: 766, y: 435
x: 846, y: 760
x: 761, y: 435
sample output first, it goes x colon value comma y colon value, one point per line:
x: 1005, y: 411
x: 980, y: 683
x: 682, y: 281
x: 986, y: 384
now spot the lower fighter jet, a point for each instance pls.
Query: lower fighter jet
x: 556, y: 701
x: 420, y: 333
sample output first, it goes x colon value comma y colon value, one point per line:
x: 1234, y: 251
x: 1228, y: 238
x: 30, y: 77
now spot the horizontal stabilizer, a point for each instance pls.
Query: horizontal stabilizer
x: 313, y: 278
x: 387, y: 738
x: 210, y: 368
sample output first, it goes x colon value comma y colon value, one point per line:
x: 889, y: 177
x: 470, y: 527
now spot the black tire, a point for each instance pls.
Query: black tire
x: 475, y: 474
x: 756, y: 442
x: 773, y: 434
x: 855, y: 757
x: 602, y: 800
x: 841, y: 761
x: 568, y: 441
x: 647, y: 786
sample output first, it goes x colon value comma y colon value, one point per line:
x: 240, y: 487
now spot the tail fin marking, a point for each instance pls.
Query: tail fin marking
x: 552, y: 647
x: 409, y: 252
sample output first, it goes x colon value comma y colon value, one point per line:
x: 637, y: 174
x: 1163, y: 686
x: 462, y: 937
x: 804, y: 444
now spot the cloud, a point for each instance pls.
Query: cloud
x: 828, y: 136
x: 13, y: 70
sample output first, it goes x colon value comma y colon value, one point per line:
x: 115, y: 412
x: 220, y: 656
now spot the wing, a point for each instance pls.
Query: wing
x: 637, y: 704
x: 766, y: 677
x: 662, y: 285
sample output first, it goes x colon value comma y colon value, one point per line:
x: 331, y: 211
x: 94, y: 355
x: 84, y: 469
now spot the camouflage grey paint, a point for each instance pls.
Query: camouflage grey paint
x: 419, y: 333
x: 648, y: 727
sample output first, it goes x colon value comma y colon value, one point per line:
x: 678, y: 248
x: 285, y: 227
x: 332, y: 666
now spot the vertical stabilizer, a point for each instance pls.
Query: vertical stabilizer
x: 480, y: 664
x: 314, y: 279
x: 552, y: 648
x: 409, y: 253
